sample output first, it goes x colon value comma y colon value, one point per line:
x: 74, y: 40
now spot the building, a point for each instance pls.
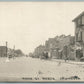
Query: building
x: 3, y: 51
x: 55, y: 45
x: 79, y: 35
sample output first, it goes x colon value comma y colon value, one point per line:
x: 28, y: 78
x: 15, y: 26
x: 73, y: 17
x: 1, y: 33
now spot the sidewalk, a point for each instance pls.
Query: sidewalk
x: 68, y: 61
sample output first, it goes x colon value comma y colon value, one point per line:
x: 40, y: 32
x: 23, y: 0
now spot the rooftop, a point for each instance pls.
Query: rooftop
x: 81, y: 14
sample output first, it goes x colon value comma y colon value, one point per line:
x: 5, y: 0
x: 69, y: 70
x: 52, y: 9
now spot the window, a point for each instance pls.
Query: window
x: 82, y: 20
x: 78, y: 22
x: 80, y: 36
x: 76, y: 36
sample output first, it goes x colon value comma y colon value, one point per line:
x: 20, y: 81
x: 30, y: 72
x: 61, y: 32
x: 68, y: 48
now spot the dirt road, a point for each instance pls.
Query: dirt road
x: 26, y: 67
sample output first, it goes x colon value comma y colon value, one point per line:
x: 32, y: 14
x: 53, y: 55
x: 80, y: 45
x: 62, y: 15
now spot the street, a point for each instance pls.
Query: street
x: 27, y: 68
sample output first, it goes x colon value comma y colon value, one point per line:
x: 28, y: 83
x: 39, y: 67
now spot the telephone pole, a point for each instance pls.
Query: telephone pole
x: 6, y: 48
x: 14, y: 51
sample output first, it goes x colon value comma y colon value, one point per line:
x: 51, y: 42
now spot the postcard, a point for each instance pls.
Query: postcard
x: 41, y: 41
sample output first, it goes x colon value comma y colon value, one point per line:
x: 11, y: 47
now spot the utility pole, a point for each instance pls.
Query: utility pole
x: 6, y: 48
x: 14, y: 51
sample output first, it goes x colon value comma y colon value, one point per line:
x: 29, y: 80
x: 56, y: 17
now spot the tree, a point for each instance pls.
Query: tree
x: 18, y: 52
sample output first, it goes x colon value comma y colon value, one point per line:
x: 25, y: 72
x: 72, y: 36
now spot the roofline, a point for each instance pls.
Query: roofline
x: 78, y: 16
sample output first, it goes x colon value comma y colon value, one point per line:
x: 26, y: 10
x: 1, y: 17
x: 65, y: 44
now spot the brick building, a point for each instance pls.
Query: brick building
x: 3, y: 50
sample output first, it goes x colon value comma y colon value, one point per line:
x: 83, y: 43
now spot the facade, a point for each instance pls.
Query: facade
x: 56, y: 45
x: 79, y: 35
x: 55, y: 53
x: 3, y: 51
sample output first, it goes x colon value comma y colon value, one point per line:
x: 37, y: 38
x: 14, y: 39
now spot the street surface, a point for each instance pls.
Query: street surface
x: 29, y: 69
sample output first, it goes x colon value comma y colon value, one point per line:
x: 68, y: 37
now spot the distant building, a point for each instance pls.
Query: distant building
x: 3, y: 50
x: 55, y: 53
x: 55, y: 45
x: 79, y: 35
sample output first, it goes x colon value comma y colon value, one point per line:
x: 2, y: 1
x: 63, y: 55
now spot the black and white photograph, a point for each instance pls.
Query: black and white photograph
x: 41, y: 41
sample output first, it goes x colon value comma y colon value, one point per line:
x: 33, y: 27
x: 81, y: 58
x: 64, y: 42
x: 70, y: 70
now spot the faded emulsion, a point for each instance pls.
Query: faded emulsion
x: 41, y: 42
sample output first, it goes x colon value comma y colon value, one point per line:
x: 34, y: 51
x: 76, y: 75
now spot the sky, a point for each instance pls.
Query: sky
x: 29, y: 24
